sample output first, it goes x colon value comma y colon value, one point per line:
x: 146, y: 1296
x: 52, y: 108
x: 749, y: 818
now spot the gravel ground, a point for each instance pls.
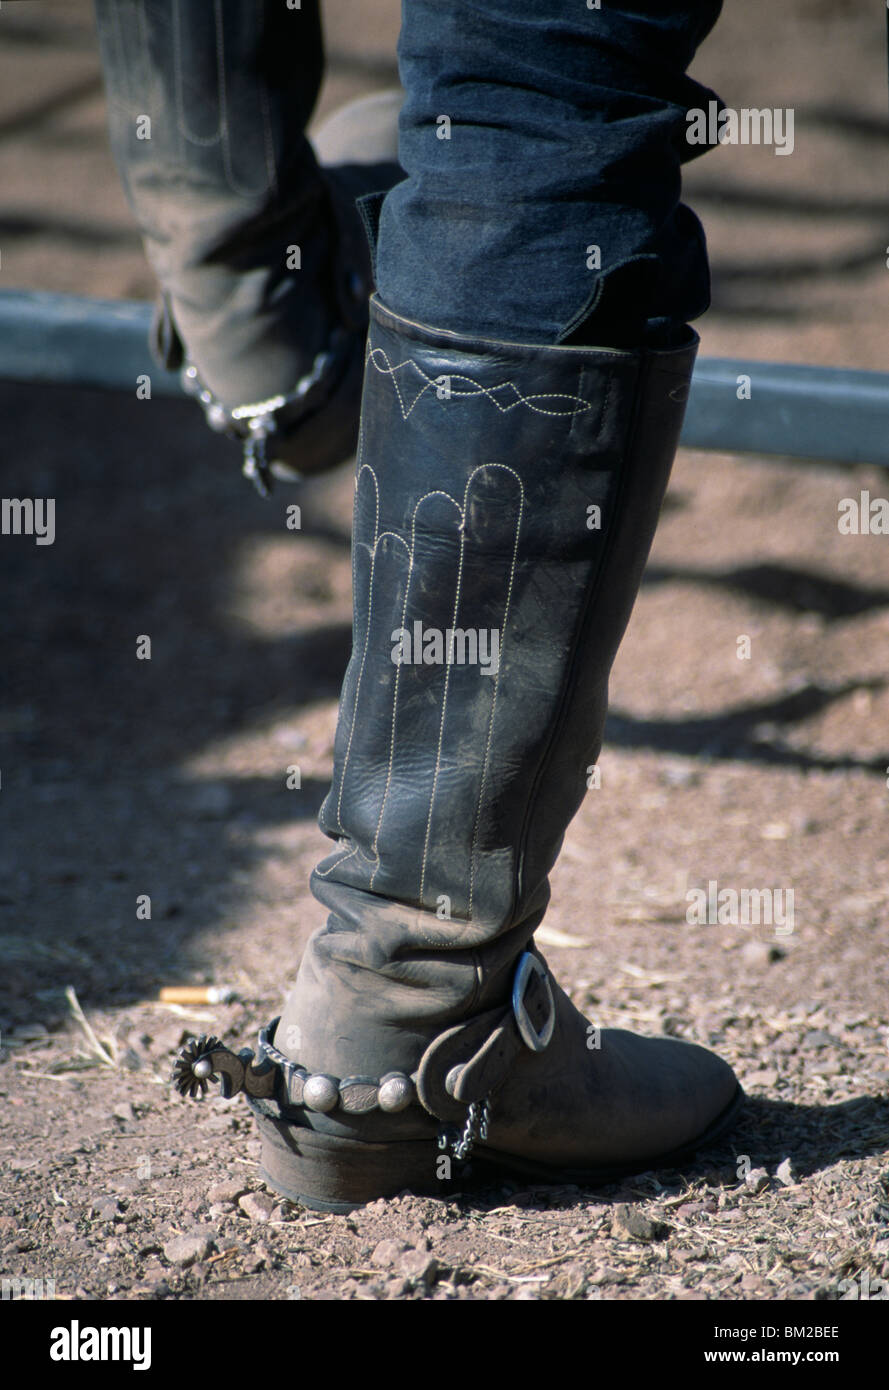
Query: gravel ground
x: 168, y: 778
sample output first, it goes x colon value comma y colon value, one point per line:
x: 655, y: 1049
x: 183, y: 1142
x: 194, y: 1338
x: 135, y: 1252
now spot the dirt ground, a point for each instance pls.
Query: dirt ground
x: 168, y: 777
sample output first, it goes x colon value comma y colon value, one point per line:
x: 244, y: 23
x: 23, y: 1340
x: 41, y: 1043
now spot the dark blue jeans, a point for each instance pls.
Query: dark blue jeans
x: 542, y: 143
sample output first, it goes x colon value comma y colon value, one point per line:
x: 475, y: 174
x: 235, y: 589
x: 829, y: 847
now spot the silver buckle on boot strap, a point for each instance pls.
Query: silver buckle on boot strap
x: 529, y: 965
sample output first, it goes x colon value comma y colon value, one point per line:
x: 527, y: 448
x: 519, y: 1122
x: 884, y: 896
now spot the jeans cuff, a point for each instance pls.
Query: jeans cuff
x: 369, y: 206
x: 617, y: 308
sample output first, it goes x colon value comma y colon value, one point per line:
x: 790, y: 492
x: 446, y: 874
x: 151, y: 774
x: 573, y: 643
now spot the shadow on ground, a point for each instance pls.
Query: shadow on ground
x: 818, y: 1137
x: 152, y: 522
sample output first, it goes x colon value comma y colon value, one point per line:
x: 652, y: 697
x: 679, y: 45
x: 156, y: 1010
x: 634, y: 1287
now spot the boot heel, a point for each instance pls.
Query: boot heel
x: 326, y: 1173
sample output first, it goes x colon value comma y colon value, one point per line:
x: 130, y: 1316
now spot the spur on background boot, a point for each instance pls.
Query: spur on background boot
x: 250, y: 227
x: 314, y: 426
x: 506, y: 499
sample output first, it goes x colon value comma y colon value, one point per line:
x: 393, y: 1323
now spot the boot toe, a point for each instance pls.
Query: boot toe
x: 662, y: 1095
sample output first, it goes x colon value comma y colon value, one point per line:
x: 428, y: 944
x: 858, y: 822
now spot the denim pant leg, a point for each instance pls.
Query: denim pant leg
x: 542, y: 144
x: 207, y: 103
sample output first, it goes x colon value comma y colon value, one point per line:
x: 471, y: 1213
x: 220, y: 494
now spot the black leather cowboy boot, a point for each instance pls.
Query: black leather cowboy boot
x: 506, y: 499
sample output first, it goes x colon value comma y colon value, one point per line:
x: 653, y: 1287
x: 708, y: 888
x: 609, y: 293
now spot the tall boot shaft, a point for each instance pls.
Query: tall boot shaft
x: 259, y: 251
x: 506, y: 499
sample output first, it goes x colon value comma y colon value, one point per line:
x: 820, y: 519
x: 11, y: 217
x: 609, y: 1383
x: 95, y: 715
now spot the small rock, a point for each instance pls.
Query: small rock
x: 756, y: 1180
x: 767, y: 1078
x: 28, y: 1032
x: 185, y: 1250
x: 228, y: 1191
x: 785, y: 1173
x: 257, y: 1205
x: 22, y: 1165
x: 818, y: 1038
x: 759, y: 955
x: 387, y: 1253
x: 420, y: 1266
x: 104, y: 1208
x: 220, y: 1210
x: 629, y: 1223
x: 694, y: 1208
x: 570, y: 1283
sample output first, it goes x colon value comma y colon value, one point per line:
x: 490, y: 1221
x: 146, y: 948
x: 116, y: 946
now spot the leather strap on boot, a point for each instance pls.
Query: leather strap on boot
x: 463, y: 1067
x: 467, y: 1064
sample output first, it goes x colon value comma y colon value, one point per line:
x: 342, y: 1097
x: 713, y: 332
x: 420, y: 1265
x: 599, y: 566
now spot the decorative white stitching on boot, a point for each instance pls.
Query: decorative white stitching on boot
x: 577, y: 403
x: 462, y: 511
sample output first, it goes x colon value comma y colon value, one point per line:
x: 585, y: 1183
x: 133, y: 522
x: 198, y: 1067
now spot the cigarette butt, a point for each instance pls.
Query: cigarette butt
x: 197, y: 994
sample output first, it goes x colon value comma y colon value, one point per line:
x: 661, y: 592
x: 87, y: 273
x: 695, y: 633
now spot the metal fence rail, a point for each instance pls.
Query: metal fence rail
x: 792, y: 411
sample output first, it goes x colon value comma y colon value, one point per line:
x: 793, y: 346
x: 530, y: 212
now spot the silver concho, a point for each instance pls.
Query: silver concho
x: 320, y: 1093
x: 396, y: 1091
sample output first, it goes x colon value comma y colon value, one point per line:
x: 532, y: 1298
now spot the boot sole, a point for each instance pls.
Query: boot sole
x: 337, y: 1176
